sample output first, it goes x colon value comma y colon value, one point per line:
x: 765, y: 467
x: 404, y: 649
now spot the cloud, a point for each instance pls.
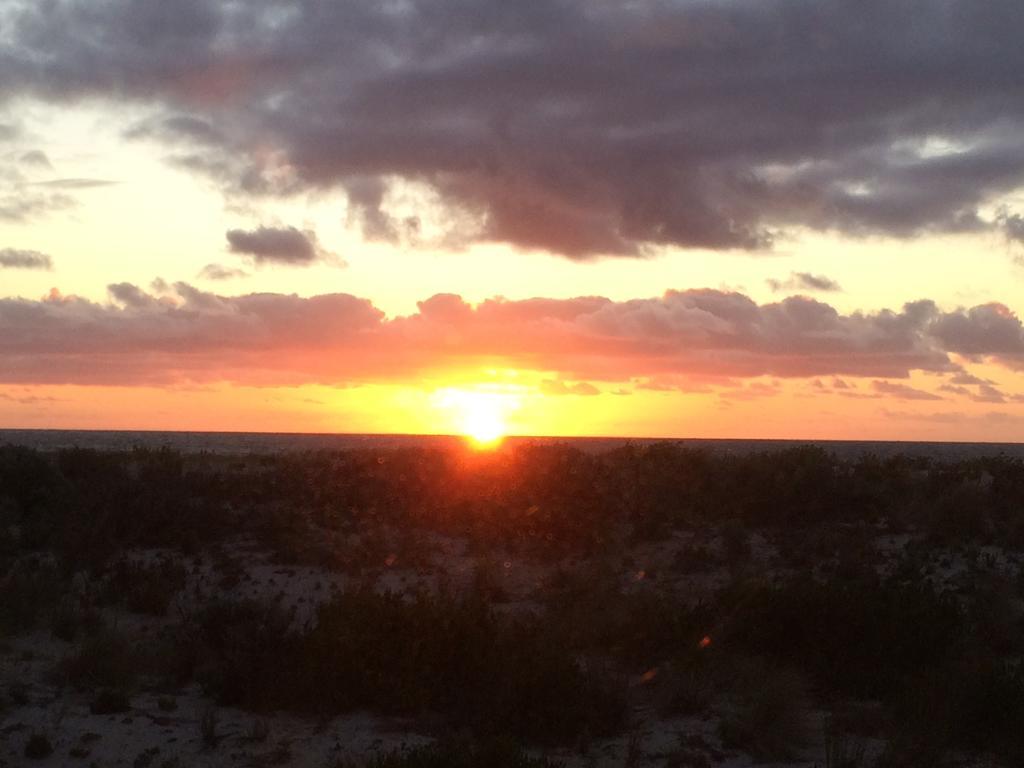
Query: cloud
x: 578, y: 127
x: 220, y: 272
x: 984, y: 392
x: 20, y: 204
x: 558, y: 387
x: 1012, y: 225
x: 697, y: 340
x: 939, y: 417
x: 987, y: 330
x: 988, y: 394
x: 36, y: 158
x: 902, y: 391
x: 965, y: 377
x: 24, y: 196
x: 804, y: 281
x: 754, y: 390
x: 74, y: 183
x: 179, y: 128
x: 13, y: 258
x: 27, y: 399
x: 273, y: 245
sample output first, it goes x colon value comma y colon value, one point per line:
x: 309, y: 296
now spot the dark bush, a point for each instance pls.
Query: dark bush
x: 145, y: 588
x: 865, y: 640
x: 640, y: 628
x: 768, y: 718
x: 398, y: 656
x: 494, y: 753
x: 243, y: 653
x: 73, y: 615
x: 974, y: 703
x: 109, y: 701
x: 108, y: 659
x: 29, y: 592
x: 454, y: 655
x: 38, y: 747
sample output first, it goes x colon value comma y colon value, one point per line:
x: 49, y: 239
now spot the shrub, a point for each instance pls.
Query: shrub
x: 73, y: 615
x: 209, y: 723
x: 769, y: 719
x: 641, y: 628
x: 106, y: 660
x: 494, y: 753
x: 146, y: 758
x: 692, y: 683
x: 975, y: 704
x: 167, y: 704
x: 259, y: 730
x: 397, y: 656
x: 242, y: 653
x: 18, y: 693
x: 454, y: 655
x: 29, y: 591
x: 38, y: 747
x: 864, y: 640
x: 841, y: 749
x: 146, y: 588
x: 109, y: 701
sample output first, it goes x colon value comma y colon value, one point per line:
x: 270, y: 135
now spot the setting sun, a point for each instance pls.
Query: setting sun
x: 483, y: 427
x: 479, y: 415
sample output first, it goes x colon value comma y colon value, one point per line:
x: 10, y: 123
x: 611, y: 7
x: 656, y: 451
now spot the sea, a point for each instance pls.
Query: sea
x: 245, y: 443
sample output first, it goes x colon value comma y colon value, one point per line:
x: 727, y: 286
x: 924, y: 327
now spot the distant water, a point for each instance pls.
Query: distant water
x: 266, y: 442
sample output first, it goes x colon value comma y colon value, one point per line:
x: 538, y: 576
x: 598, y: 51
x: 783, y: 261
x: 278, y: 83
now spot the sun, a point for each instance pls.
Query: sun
x: 483, y: 425
x: 479, y: 415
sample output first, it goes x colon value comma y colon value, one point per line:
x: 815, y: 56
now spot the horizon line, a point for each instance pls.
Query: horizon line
x: 453, y: 436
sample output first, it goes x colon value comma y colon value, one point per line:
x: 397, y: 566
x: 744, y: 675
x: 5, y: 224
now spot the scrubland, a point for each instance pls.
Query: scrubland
x: 530, y: 606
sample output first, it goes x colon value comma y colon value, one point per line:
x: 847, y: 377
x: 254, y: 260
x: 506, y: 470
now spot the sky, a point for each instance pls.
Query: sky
x: 714, y: 218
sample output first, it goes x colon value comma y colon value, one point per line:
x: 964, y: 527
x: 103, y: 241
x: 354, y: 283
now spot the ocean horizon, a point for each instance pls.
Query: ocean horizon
x: 277, y: 442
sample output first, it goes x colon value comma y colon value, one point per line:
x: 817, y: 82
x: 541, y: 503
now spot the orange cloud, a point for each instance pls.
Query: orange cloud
x: 685, y: 337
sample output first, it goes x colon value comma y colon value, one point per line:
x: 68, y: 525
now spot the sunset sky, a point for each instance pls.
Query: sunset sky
x: 727, y: 218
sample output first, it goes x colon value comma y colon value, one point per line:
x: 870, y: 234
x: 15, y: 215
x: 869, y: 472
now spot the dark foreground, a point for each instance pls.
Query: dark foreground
x: 420, y: 606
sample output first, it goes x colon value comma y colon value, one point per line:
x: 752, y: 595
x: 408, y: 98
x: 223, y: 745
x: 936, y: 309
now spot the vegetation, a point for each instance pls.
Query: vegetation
x: 796, y: 580
x: 495, y: 753
x: 38, y: 747
x: 402, y: 657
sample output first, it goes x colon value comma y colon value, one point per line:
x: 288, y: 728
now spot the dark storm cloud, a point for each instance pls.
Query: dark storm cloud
x: 575, y: 126
x: 276, y: 245
x: 13, y: 258
x: 804, y: 281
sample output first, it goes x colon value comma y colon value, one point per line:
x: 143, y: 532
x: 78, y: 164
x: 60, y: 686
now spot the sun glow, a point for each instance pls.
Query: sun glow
x: 480, y: 415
